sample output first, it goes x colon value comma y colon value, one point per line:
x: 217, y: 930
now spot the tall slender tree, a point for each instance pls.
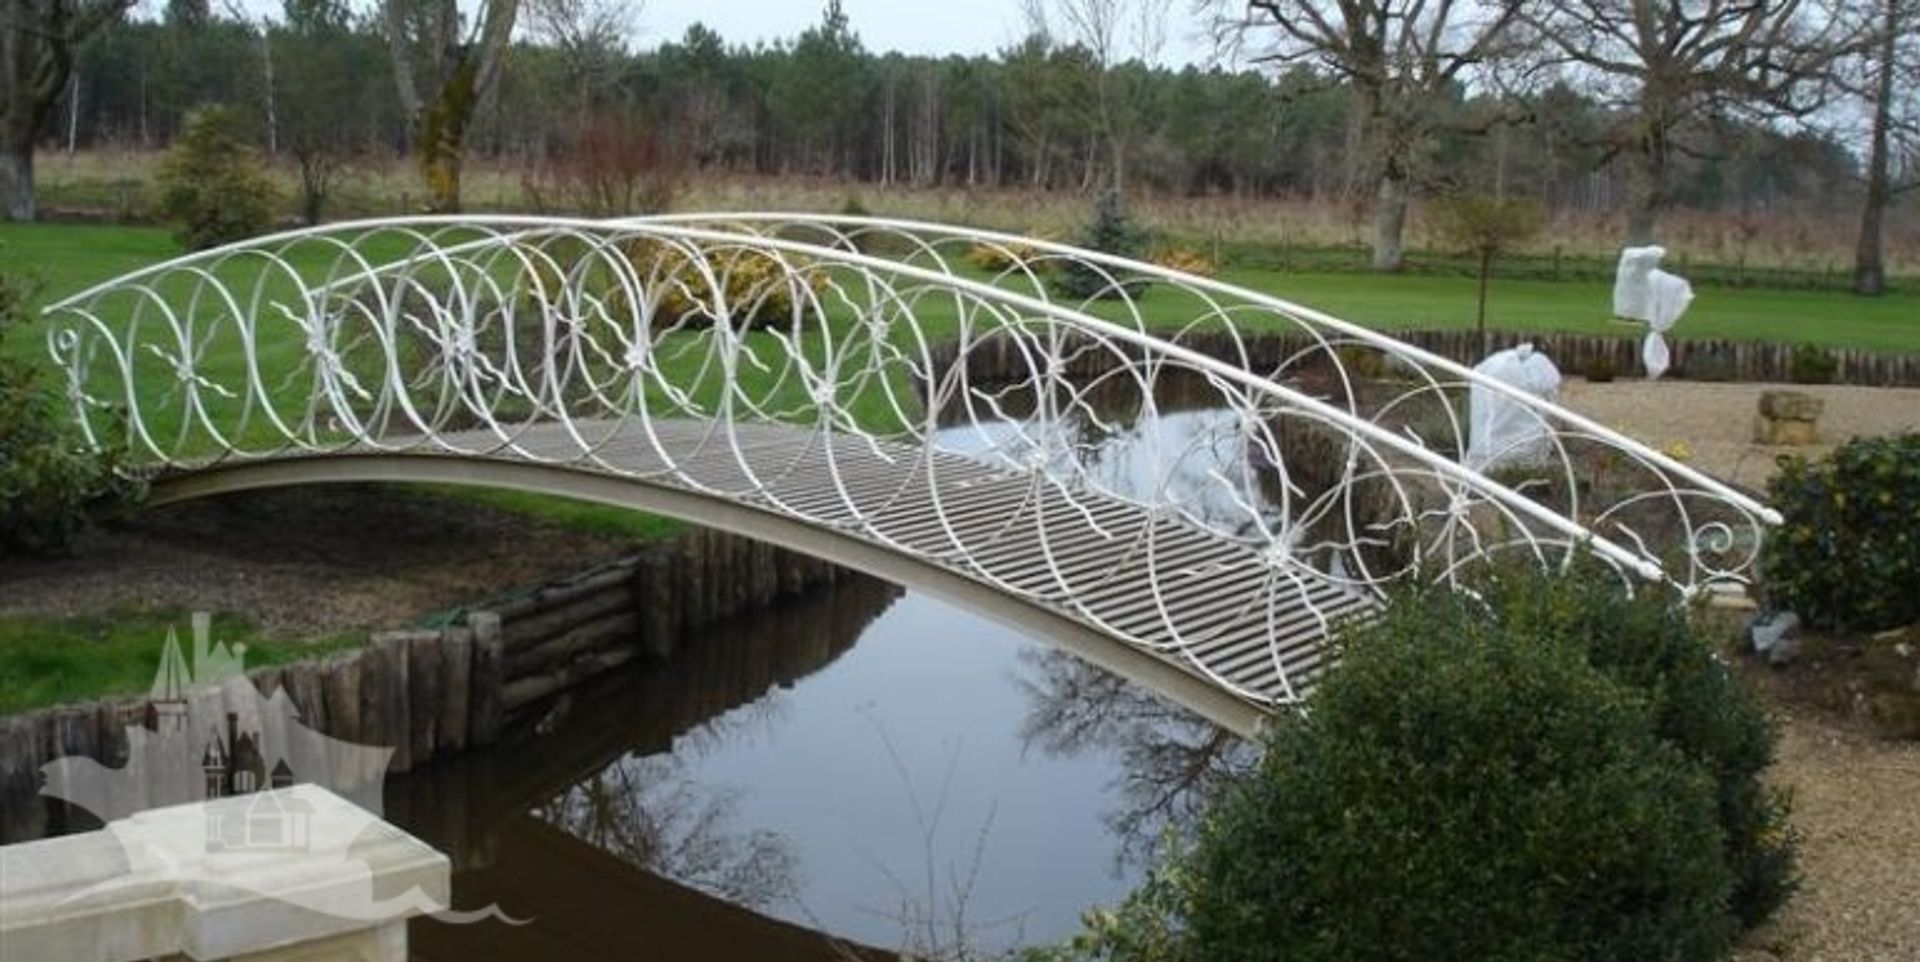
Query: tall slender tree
x: 1663, y: 63
x: 824, y: 93
x: 1113, y: 32
x: 38, y: 39
x: 1402, y: 58
x: 1885, y: 77
x: 443, y: 69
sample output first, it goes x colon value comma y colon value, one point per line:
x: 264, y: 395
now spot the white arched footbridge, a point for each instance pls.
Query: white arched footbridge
x: 1182, y: 480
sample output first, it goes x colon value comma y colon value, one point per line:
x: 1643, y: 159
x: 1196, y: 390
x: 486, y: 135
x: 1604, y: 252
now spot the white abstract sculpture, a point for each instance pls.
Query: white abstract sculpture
x: 1644, y: 292
x: 1504, y: 430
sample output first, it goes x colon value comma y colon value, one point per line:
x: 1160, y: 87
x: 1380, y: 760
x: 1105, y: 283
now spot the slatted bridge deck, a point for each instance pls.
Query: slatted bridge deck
x: 1192, y: 599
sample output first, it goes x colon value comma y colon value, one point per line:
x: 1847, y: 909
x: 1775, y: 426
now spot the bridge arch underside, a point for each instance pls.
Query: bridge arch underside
x: 1051, y: 625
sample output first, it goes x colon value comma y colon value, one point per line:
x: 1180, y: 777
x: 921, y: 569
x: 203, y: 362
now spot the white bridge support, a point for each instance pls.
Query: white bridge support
x: 1186, y: 481
x: 148, y: 887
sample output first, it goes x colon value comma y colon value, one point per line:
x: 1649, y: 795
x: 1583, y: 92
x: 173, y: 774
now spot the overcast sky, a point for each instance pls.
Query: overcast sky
x: 909, y: 26
x: 932, y: 27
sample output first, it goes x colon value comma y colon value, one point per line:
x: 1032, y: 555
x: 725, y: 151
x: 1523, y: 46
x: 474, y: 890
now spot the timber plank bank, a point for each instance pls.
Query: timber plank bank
x: 489, y: 673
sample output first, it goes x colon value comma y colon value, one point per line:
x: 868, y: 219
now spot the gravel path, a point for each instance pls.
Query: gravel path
x: 1716, y: 420
x: 1856, y: 797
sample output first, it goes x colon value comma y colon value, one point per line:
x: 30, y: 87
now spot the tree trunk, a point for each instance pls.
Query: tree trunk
x: 1869, y: 265
x: 1646, y: 182
x: 443, y: 138
x: 313, y: 188
x: 1389, y: 219
x: 440, y: 169
x: 1480, y: 324
x: 16, y: 180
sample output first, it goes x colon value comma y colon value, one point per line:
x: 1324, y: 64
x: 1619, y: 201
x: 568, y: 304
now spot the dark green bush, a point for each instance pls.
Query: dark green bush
x: 1699, y: 707
x: 211, y: 186
x: 1147, y: 926
x: 50, y: 485
x: 1848, y: 555
x: 1600, y: 370
x: 1573, y: 777
x: 1112, y: 232
x: 1811, y: 365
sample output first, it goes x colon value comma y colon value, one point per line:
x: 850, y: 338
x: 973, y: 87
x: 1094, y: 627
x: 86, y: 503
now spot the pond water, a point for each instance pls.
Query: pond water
x: 869, y: 765
x: 864, y: 771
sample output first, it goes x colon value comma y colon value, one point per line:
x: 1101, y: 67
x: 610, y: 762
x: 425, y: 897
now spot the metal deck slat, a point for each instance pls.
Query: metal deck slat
x: 1185, y: 594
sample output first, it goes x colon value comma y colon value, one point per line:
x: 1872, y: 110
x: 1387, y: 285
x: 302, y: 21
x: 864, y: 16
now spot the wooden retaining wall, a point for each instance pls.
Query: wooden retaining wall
x: 1702, y: 359
x: 432, y: 693
x: 1697, y: 359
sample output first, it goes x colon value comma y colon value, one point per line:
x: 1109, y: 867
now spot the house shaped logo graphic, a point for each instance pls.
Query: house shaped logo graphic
x: 214, y: 747
x: 216, y: 739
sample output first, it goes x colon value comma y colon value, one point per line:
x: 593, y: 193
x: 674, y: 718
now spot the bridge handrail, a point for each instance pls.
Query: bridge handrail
x: 1319, y: 318
x: 685, y: 228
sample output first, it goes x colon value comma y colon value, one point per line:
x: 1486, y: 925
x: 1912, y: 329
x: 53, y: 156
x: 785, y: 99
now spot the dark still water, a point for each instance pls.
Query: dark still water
x: 871, y: 765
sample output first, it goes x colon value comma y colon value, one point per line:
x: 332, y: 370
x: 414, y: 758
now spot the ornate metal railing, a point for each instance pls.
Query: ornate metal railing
x: 1329, y: 448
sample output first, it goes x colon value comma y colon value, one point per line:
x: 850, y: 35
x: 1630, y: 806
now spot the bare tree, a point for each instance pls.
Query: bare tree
x: 1663, y: 63
x: 591, y: 38
x: 1173, y: 762
x: 1401, y: 58
x: 1112, y: 32
x: 443, y: 70
x: 321, y: 97
x: 267, y: 86
x: 1884, y: 78
x: 609, y: 164
x: 38, y: 39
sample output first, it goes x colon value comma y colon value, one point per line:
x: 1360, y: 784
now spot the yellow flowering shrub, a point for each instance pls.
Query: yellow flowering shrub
x: 757, y: 288
x: 1186, y: 261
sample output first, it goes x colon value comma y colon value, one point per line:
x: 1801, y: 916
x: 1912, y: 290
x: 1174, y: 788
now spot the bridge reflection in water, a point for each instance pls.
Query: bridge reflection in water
x: 699, y: 809
x: 585, y: 862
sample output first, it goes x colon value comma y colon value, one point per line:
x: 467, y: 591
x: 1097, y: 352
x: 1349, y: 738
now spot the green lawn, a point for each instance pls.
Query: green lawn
x: 580, y: 515
x: 67, y: 258
x: 1830, y: 319
x: 52, y: 661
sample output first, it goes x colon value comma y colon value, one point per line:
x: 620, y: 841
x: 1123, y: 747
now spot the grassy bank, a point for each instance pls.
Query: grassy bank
x: 586, y: 516
x: 51, y: 661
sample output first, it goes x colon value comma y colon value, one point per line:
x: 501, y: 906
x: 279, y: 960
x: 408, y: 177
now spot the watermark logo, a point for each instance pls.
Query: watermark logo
x: 215, y: 750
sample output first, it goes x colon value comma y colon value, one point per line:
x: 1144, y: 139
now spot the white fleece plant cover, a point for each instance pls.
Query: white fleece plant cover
x: 1504, y: 430
x: 1644, y: 292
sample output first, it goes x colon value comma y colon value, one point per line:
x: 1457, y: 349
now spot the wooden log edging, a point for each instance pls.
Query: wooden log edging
x: 997, y: 360
x: 485, y: 676
x: 1696, y: 359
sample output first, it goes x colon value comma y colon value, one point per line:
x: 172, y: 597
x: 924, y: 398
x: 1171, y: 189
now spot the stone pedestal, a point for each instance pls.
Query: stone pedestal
x: 1787, y: 418
x: 334, y: 883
